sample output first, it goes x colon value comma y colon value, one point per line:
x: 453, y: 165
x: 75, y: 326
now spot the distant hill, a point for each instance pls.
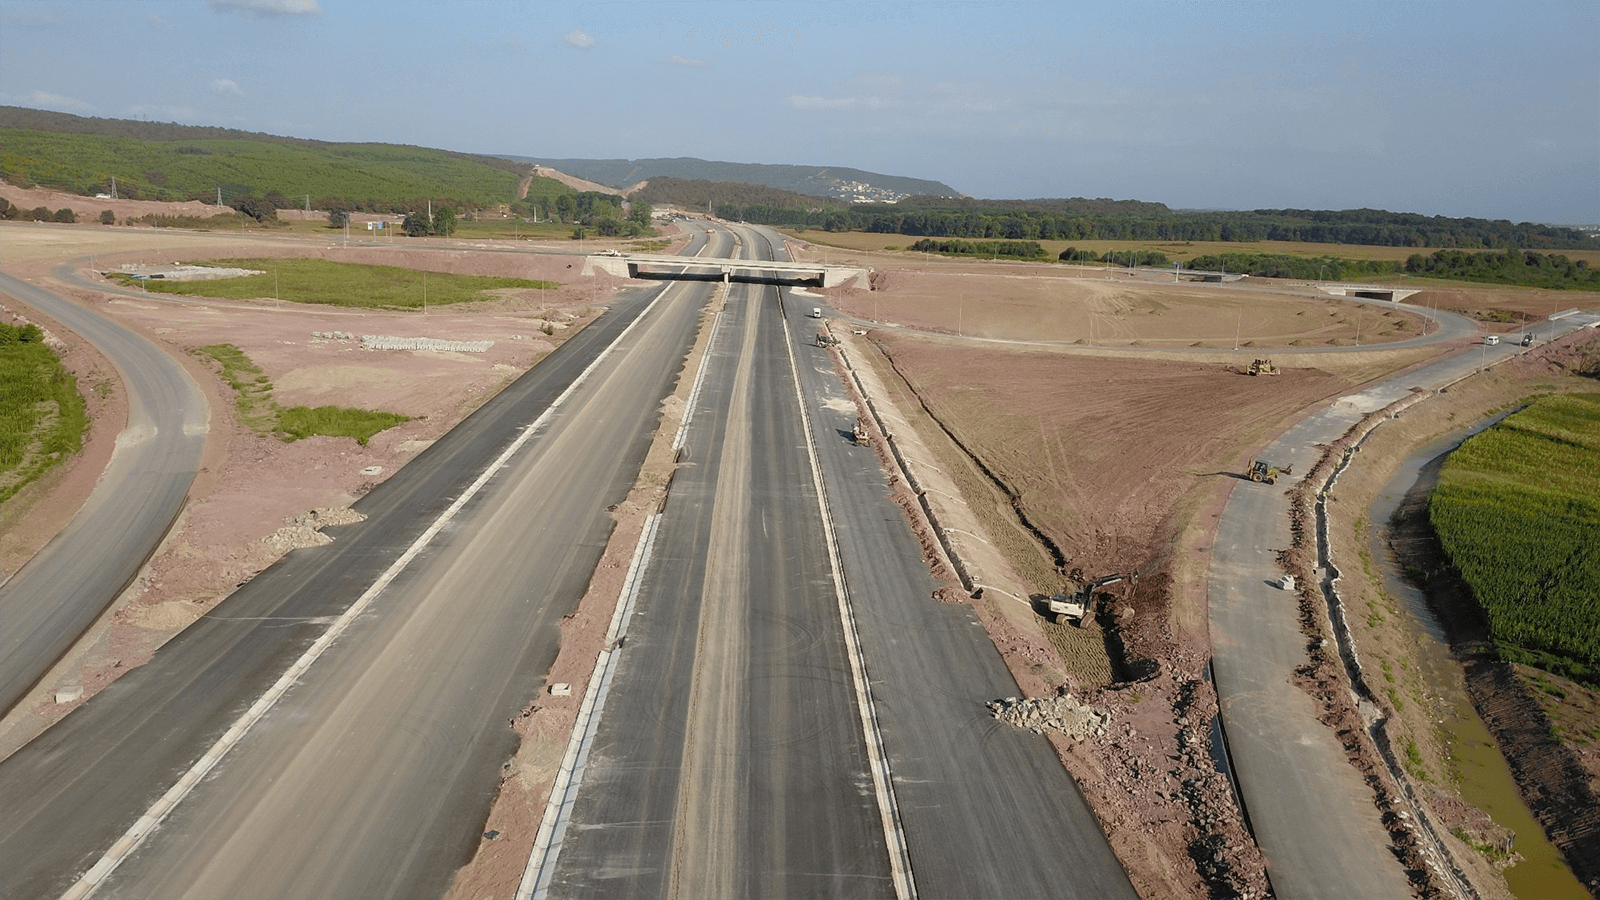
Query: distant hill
x: 839, y: 183
x: 156, y: 161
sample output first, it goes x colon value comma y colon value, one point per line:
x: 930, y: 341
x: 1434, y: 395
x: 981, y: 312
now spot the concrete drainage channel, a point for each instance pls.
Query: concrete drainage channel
x: 1433, y: 847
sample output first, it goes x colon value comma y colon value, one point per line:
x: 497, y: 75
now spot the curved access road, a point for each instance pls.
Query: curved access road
x: 59, y: 593
x: 1312, y: 814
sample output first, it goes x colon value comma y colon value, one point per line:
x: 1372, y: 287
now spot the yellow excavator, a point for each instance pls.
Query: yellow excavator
x: 1260, y: 470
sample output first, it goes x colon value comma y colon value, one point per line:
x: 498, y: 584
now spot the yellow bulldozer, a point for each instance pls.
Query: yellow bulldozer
x: 1260, y: 470
x: 1262, y: 367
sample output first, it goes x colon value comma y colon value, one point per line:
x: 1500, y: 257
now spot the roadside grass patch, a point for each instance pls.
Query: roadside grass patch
x: 253, y: 398
x: 1518, y: 511
x: 297, y: 422
x: 327, y: 283
x: 42, y: 418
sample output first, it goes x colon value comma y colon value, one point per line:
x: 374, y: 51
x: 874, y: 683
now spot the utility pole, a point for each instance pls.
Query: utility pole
x: 113, y: 187
x: 219, y: 197
x: 308, y: 206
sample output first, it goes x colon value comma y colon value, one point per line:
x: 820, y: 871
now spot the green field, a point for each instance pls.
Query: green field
x: 41, y: 414
x: 1518, y: 510
x: 338, y: 284
x: 252, y: 391
x: 183, y: 170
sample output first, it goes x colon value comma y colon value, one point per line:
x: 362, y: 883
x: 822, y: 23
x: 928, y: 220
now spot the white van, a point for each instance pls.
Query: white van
x: 1492, y: 339
x: 816, y: 312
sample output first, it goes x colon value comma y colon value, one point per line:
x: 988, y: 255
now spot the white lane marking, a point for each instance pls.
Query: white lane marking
x: 694, y: 392
x: 564, y: 792
x: 147, y: 823
x: 905, y: 885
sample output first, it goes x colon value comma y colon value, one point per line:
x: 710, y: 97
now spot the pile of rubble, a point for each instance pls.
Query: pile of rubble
x: 332, y: 336
x: 385, y: 342
x: 1062, y: 713
x: 304, y: 530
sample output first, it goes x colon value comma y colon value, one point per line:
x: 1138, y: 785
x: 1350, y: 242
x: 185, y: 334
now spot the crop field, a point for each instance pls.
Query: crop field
x: 320, y: 281
x: 1518, y: 510
x: 41, y: 415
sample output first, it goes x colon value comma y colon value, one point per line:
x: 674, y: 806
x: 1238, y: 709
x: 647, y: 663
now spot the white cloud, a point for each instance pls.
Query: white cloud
x: 156, y: 21
x: 799, y: 101
x: 268, y: 9
x: 578, y: 39
x: 227, y: 87
x: 47, y: 100
x: 685, y: 61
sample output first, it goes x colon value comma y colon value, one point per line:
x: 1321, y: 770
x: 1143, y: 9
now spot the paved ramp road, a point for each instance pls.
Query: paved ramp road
x: 1312, y: 814
x: 59, y: 593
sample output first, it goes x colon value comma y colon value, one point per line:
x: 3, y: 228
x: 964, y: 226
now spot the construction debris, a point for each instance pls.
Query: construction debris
x: 1062, y: 713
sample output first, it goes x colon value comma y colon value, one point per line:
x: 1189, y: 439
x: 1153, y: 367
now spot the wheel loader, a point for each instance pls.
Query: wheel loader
x: 1260, y: 470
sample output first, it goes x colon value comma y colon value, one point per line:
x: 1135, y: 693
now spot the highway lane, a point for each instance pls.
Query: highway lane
x: 1286, y: 762
x: 70, y: 793
x: 59, y: 593
x: 730, y: 761
x: 963, y: 781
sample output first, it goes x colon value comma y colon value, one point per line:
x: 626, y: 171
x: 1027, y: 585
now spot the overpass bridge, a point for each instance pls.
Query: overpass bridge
x: 641, y: 265
x: 1368, y: 291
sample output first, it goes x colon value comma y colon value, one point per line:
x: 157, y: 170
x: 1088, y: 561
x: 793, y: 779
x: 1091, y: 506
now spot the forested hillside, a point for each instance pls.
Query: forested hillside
x: 1104, y: 220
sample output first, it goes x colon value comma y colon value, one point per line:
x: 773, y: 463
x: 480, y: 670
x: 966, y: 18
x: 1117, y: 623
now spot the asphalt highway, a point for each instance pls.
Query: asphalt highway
x: 1312, y: 814
x: 373, y: 773
x: 730, y: 759
x: 59, y: 593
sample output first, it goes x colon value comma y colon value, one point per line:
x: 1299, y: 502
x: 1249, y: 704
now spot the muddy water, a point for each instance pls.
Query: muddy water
x: 1486, y: 780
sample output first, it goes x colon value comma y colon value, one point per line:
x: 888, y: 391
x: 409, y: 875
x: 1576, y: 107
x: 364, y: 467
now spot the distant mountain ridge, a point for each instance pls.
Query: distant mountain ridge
x: 838, y: 182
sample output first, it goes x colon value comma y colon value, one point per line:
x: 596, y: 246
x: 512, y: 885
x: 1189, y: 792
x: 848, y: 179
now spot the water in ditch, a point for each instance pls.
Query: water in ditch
x: 1486, y: 780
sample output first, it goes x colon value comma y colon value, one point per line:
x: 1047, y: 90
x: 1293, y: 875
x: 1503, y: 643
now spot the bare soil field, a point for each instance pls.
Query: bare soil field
x: 251, y: 502
x: 1090, y: 307
x: 1176, y: 250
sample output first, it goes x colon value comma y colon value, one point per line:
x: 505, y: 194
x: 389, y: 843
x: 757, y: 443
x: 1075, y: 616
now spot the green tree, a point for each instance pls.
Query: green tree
x: 566, y: 207
x: 338, y: 218
x: 415, y: 225
x: 444, y: 221
x: 107, y: 217
x: 64, y: 214
x: 639, y: 213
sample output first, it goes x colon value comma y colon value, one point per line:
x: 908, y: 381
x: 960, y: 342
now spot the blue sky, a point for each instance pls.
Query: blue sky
x: 1447, y: 107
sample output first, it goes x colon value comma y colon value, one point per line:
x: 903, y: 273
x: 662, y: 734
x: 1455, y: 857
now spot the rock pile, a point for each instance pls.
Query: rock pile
x: 1062, y: 713
x: 332, y: 336
x: 304, y: 530
x: 385, y: 342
